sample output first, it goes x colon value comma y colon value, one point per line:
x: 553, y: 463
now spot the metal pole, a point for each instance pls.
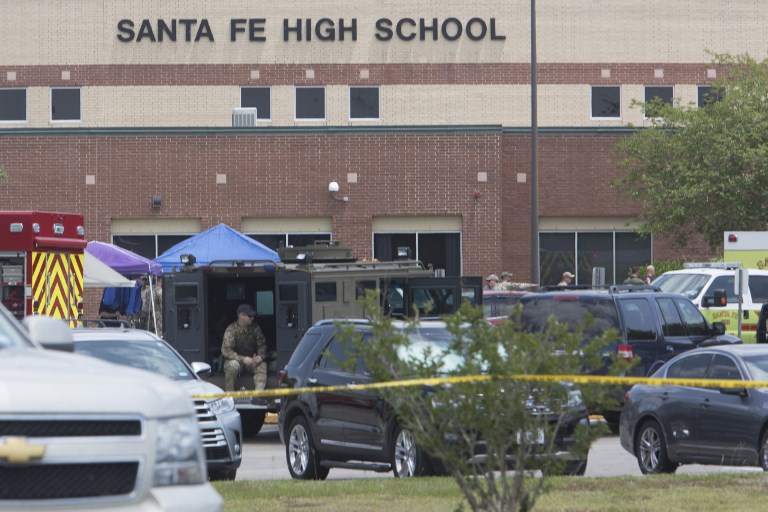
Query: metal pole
x: 535, y: 277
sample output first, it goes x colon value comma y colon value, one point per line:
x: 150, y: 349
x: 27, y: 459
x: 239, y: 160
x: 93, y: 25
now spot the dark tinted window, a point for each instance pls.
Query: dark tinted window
x: 302, y: 351
x: 258, y: 98
x: 13, y: 104
x: 695, y: 324
x: 690, y: 367
x: 673, y: 323
x: 325, y: 292
x: 639, y: 322
x: 663, y: 93
x: 65, y: 104
x: 363, y: 102
x: 310, y: 103
x: 337, y: 353
x: 606, y: 101
x: 707, y: 95
x: 723, y: 283
x: 572, y: 311
x: 723, y: 368
x: 758, y: 288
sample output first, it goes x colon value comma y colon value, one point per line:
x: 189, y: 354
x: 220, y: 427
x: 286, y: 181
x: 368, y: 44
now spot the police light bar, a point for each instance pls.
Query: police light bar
x: 713, y: 264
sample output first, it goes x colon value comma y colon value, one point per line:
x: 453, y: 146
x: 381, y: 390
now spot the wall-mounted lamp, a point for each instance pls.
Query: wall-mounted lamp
x: 157, y: 201
x: 333, y: 190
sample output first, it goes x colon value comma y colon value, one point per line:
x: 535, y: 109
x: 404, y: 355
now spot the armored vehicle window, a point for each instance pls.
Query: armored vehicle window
x: 186, y: 292
x: 325, y: 292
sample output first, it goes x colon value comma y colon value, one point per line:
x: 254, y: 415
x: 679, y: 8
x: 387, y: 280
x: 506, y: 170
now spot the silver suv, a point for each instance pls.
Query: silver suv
x: 80, y: 434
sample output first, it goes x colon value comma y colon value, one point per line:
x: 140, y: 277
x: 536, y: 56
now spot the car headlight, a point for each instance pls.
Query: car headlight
x: 222, y: 405
x: 179, y: 455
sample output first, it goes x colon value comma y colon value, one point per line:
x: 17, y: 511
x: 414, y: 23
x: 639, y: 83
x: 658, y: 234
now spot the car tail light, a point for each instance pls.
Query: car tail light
x: 626, y: 397
x: 626, y: 351
x: 280, y: 378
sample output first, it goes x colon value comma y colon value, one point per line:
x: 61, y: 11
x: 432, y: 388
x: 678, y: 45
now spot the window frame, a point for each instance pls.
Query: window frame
x: 296, y: 104
x: 716, y: 97
x: 269, y: 91
x: 26, y: 105
x: 378, y: 89
x: 645, y: 97
x: 80, y: 106
x: 156, y: 237
x: 592, y: 101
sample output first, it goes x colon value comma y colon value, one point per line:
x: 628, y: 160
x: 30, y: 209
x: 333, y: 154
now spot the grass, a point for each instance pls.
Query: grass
x: 671, y: 493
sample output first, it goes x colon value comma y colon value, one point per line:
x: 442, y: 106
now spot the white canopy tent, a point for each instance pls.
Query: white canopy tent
x: 97, y: 274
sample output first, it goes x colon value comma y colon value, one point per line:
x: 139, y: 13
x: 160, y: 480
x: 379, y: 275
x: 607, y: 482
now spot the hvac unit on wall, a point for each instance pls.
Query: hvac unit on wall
x: 242, y: 117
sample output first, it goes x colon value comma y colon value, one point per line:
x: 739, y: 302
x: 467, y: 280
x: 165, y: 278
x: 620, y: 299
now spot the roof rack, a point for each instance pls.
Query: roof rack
x: 629, y: 288
x: 102, y: 322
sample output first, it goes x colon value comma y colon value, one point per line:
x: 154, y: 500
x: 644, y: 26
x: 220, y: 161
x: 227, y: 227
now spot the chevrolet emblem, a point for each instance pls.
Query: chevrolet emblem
x: 16, y: 450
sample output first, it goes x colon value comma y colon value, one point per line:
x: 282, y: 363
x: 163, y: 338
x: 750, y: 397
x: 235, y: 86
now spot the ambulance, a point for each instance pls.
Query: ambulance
x: 41, y: 263
x: 745, y: 270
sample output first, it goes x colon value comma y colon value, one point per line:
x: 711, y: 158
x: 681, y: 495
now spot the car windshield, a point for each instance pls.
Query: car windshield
x: 571, y: 310
x: 11, y: 332
x: 757, y: 366
x: 429, y: 344
x: 689, y: 285
x: 152, y: 355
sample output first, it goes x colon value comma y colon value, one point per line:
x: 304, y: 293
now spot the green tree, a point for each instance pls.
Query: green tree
x: 703, y: 170
x: 3, y: 174
x: 509, y: 417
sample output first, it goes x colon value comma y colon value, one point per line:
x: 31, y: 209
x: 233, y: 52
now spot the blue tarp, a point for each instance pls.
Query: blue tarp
x: 219, y: 243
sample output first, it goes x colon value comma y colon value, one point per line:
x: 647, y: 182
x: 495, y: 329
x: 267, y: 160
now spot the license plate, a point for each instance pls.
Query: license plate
x: 531, y: 437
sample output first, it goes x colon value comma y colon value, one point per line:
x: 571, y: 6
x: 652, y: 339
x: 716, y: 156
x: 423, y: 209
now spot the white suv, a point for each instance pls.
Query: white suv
x: 80, y: 434
x: 700, y: 283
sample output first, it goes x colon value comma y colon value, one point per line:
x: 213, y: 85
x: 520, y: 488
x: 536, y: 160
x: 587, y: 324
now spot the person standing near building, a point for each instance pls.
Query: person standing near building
x: 492, y: 282
x: 506, y: 281
x: 157, y: 297
x: 146, y: 305
x: 244, y: 349
x: 650, y: 274
x: 633, y: 278
x: 567, y: 279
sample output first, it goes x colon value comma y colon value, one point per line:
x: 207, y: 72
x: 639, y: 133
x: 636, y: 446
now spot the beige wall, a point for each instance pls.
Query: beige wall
x: 507, y: 105
x: 70, y: 32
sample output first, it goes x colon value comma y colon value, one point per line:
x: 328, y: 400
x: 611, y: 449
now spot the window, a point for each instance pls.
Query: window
x: 325, y: 292
x: 673, y: 324
x: 606, y: 102
x: 723, y: 368
x: 581, y: 253
x: 276, y: 240
x: 694, y: 321
x: 723, y: 283
x: 691, y: 367
x: 638, y: 319
x: 364, y: 103
x: 758, y: 288
x: 149, y: 246
x: 310, y: 103
x: 654, y: 94
x: 707, y: 94
x: 441, y: 250
x: 65, y: 104
x: 13, y: 105
x: 258, y: 98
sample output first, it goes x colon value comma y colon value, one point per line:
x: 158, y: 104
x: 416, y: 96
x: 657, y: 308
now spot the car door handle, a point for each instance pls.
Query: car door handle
x: 665, y: 396
x: 311, y: 381
x: 704, y: 403
x: 670, y: 348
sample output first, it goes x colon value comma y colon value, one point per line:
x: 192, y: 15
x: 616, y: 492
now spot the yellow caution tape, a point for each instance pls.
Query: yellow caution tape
x: 576, y: 379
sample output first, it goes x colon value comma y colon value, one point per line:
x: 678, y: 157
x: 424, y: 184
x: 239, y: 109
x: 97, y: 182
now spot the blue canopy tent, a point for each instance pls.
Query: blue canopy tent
x: 219, y: 243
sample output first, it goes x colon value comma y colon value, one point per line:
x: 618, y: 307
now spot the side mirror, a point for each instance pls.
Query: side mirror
x: 718, y: 328
x: 201, y: 369
x: 742, y: 392
x: 718, y: 300
x: 50, y: 333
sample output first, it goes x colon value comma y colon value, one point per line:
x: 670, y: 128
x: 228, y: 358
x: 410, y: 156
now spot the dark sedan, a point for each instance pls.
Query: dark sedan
x: 666, y: 426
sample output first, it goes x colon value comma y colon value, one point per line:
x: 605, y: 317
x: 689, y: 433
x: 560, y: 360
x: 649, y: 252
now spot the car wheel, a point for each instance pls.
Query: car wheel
x: 764, y: 452
x: 223, y: 474
x: 407, y: 459
x: 252, y: 422
x: 300, y: 453
x: 651, y: 450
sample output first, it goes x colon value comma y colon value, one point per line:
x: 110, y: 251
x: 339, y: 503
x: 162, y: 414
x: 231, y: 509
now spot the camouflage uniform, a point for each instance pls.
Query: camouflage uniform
x: 239, y: 343
x: 158, y: 295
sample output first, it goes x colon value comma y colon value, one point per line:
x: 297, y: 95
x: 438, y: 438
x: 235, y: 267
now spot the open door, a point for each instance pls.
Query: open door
x: 184, y: 318
x: 293, y: 312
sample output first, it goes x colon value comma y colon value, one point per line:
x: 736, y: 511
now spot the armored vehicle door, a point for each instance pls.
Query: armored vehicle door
x: 185, y: 316
x: 293, y: 312
x: 436, y: 296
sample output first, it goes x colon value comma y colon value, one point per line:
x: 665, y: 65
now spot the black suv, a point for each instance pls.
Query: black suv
x: 652, y: 326
x: 358, y: 429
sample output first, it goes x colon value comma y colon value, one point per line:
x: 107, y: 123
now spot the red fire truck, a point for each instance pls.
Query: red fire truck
x: 41, y: 263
